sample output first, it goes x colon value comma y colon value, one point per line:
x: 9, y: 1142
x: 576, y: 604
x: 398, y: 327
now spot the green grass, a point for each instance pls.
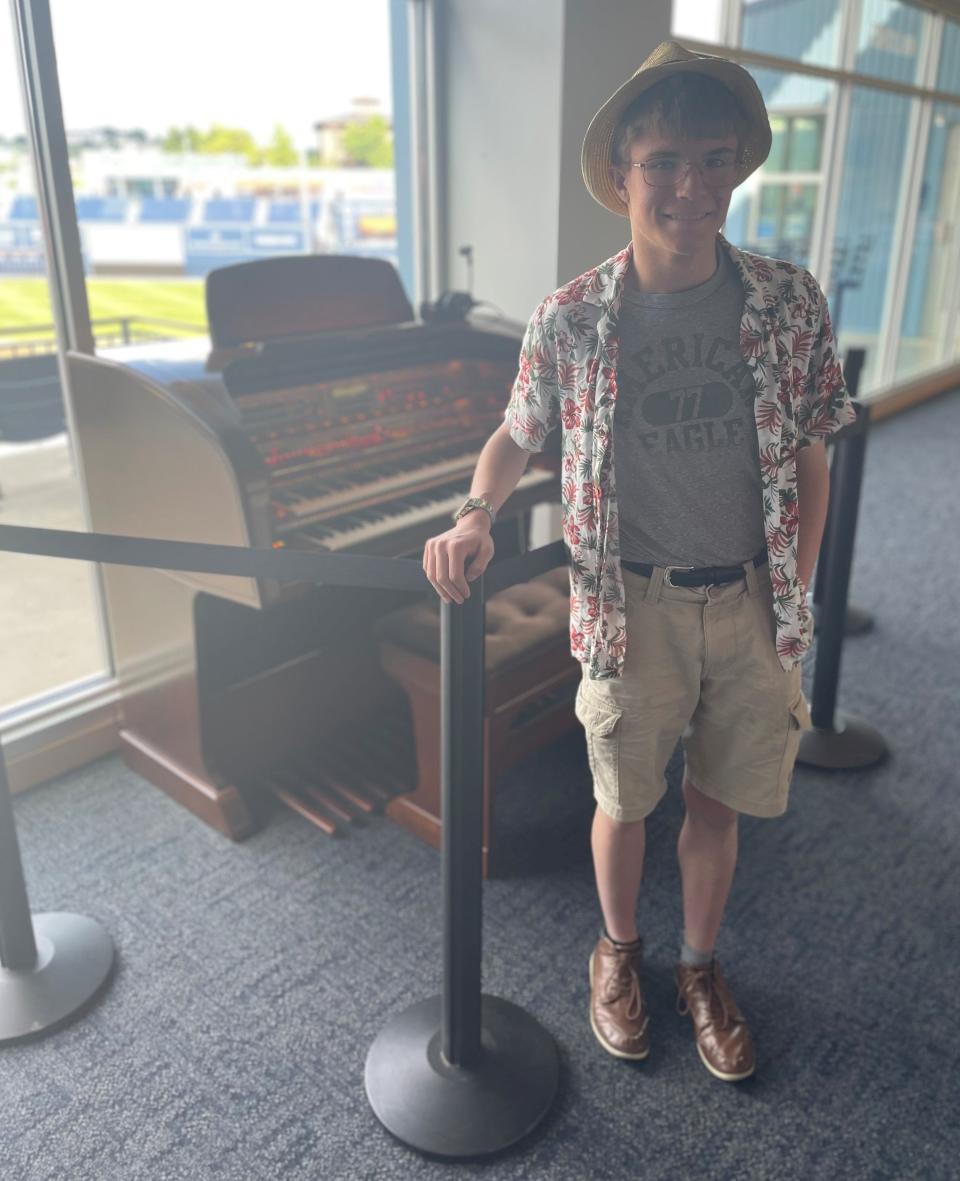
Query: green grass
x: 26, y: 301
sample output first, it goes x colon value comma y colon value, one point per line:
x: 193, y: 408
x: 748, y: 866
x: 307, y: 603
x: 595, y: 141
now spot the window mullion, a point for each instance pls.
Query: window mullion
x: 908, y: 208
x: 731, y: 22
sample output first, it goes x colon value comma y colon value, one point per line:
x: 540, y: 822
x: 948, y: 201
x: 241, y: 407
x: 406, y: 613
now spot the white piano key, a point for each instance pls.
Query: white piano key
x: 428, y: 507
x: 303, y: 504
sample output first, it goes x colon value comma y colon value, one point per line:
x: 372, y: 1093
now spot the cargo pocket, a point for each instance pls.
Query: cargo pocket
x: 800, y: 714
x: 601, y: 724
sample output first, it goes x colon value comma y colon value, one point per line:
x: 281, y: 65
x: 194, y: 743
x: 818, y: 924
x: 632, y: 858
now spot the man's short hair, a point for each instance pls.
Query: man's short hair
x: 686, y: 106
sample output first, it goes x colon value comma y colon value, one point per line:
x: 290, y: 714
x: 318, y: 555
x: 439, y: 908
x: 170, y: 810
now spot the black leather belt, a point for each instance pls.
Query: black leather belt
x: 695, y: 576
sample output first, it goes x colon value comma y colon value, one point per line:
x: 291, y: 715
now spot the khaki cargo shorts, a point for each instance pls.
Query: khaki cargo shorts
x: 701, y: 666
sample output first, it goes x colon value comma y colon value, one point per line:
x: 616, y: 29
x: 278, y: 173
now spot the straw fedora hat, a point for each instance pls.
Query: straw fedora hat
x: 667, y: 59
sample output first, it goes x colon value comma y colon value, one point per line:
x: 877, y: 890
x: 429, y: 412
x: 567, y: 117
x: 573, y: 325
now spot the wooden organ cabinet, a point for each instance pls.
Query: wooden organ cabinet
x: 325, y: 417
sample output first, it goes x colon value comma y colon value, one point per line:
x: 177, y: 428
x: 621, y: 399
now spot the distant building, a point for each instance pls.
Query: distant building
x: 109, y: 138
x: 330, y: 131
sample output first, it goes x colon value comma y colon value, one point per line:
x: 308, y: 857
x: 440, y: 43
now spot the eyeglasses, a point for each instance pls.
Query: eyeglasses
x: 716, y: 173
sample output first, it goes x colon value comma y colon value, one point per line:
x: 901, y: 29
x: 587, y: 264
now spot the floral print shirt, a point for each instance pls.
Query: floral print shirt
x: 568, y: 378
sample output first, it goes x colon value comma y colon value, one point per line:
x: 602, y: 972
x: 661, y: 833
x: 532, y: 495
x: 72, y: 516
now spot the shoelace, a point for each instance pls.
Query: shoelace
x: 626, y: 981
x: 709, y: 978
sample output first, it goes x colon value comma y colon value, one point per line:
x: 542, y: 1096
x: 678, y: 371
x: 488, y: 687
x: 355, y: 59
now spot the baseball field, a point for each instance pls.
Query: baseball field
x: 25, y: 304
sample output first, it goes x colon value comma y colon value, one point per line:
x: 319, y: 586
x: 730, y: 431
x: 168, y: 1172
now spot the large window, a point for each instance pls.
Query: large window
x: 228, y: 140
x: 862, y: 184
x: 49, y: 614
x: 196, y: 138
x: 890, y: 39
x: 775, y: 212
x: 948, y: 72
x: 928, y: 333
x: 805, y: 30
x: 872, y: 204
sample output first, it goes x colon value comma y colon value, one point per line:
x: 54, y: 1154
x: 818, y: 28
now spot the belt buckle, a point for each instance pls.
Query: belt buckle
x: 667, y: 569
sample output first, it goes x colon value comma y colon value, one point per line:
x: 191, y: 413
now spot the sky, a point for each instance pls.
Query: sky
x: 161, y: 63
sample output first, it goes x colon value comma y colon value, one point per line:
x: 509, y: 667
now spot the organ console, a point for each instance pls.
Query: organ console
x: 324, y: 417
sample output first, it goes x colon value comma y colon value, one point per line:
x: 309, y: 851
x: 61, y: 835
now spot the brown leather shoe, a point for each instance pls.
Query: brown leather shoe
x: 618, y: 1015
x: 723, y: 1039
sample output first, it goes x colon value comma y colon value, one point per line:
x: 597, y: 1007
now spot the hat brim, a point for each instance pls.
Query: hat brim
x: 596, y: 156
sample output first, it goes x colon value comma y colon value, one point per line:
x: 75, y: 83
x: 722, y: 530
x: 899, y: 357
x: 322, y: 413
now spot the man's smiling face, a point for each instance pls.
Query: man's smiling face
x: 682, y: 217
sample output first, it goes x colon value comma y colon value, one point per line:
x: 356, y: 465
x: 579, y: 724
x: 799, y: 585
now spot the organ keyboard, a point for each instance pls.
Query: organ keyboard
x: 357, y: 438
x: 375, y: 529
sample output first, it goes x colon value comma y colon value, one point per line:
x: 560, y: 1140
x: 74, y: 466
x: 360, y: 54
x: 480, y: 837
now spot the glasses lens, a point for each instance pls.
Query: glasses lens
x: 715, y: 172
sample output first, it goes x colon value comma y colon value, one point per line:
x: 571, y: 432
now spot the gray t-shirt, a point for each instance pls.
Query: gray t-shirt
x: 686, y: 457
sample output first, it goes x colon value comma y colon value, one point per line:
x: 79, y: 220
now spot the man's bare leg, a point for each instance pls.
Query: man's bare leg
x: 618, y: 850
x: 707, y: 852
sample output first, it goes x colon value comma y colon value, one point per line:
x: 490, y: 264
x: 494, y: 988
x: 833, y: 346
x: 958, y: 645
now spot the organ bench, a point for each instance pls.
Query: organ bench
x: 531, y: 681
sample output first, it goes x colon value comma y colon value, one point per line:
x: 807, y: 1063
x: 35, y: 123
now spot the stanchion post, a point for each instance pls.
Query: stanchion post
x: 852, y: 368
x: 18, y: 948
x: 836, y: 740
x: 462, y: 665
x: 823, y: 575
x: 463, y: 1074
x: 51, y: 965
x: 847, y: 468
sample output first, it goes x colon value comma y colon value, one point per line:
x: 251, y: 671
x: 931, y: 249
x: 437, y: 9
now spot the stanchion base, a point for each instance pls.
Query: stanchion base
x: 858, y: 621
x: 455, y: 1111
x: 74, y: 957
x: 850, y: 744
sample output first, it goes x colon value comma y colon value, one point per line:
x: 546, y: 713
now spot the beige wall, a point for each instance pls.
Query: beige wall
x: 520, y: 84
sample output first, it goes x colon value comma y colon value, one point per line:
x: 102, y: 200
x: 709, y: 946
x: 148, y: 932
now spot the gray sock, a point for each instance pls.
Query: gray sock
x: 690, y: 955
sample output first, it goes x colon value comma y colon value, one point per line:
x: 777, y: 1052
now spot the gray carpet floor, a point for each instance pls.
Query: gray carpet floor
x: 251, y: 979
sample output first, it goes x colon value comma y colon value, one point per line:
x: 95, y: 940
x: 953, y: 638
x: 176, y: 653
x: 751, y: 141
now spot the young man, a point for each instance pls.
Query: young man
x: 711, y: 374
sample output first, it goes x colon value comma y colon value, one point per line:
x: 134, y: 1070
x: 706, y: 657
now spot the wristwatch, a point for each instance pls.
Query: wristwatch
x: 473, y: 502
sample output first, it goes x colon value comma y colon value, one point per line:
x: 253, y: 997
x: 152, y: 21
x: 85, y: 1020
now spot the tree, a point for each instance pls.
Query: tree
x: 368, y: 143
x: 280, y: 151
x: 181, y: 139
x: 222, y: 141
x: 219, y: 140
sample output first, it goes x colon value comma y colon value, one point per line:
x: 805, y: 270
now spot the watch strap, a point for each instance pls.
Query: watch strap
x: 475, y: 502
